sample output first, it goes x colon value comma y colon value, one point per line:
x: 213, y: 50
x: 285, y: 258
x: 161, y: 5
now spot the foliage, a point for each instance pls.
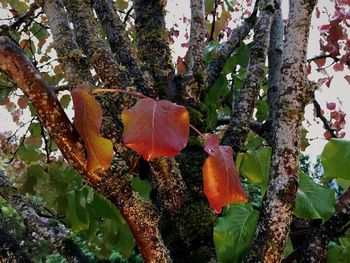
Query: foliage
x: 156, y: 128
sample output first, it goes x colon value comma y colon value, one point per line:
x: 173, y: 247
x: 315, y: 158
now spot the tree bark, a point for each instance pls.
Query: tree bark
x: 244, y: 104
x: 278, y: 203
x: 141, y: 216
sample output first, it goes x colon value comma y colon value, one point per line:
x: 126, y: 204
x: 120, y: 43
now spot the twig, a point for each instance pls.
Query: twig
x: 323, y: 119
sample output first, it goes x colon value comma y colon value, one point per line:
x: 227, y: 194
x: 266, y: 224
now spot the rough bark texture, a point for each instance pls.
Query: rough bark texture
x: 278, y: 203
x: 121, y: 46
x: 196, y: 87
x: 275, y: 60
x: 54, y: 234
x: 170, y: 187
x: 100, y: 56
x: 70, y: 56
x: 140, y: 216
x: 152, y: 44
x: 244, y: 104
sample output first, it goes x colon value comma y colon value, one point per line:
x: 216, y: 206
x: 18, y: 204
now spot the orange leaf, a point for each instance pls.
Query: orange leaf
x: 156, y: 128
x: 220, y: 177
x: 88, y: 121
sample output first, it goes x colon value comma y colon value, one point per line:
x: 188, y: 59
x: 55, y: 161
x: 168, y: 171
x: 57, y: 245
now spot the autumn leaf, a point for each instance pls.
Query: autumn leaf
x: 156, y: 128
x: 88, y: 121
x: 220, y: 177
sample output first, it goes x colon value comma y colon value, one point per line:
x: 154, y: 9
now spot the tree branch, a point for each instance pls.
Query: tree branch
x: 121, y: 46
x: 197, y: 87
x: 170, y: 187
x: 244, y: 104
x: 74, y: 64
x: 100, y: 56
x: 152, y: 44
x: 278, y: 203
x: 275, y: 61
x: 216, y: 65
x: 140, y: 216
x: 55, y: 234
x: 325, y: 122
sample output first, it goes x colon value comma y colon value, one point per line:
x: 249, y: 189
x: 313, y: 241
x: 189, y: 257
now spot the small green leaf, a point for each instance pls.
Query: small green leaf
x: 65, y: 100
x: 234, y: 232
x: 335, y: 159
x: 35, y: 129
x: 313, y: 201
x: 143, y: 187
x: 29, y: 154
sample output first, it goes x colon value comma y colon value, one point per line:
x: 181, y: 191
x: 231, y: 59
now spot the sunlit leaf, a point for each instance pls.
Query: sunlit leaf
x: 335, y: 159
x: 220, y: 177
x: 88, y: 121
x: 155, y: 128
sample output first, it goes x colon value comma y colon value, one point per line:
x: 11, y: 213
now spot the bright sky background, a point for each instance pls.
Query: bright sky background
x: 339, y: 91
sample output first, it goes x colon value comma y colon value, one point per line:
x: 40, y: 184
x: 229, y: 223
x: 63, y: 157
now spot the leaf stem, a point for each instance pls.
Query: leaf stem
x: 197, y: 131
x: 120, y: 91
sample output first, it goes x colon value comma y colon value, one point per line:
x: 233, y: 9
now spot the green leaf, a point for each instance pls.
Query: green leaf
x: 33, y: 173
x: 234, y: 232
x: 29, y: 154
x: 143, y: 187
x: 35, y: 129
x: 65, y: 100
x: 76, y: 213
x: 262, y: 112
x: 335, y: 159
x: 313, y: 201
x: 19, y: 6
x: 339, y: 253
x: 255, y: 166
x: 102, y: 207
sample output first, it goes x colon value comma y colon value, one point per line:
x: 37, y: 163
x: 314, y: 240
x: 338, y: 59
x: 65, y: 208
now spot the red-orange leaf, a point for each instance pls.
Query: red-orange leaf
x: 156, y: 128
x: 87, y: 121
x: 220, y: 177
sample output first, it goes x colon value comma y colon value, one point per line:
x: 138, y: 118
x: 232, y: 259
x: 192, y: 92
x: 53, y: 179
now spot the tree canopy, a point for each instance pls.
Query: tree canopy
x: 126, y: 151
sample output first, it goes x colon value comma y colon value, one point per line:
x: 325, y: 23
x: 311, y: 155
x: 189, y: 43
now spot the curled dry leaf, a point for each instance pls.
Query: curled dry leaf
x: 156, y: 128
x: 88, y: 121
x: 220, y: 177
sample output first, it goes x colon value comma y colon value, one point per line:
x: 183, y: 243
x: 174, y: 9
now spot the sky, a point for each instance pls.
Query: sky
x: 339, y: 91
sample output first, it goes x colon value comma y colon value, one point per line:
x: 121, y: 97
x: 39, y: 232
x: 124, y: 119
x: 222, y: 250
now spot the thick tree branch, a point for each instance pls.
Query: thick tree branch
x: 295, y: 93
x: 121, y: 46
x: 152, y: 43
x: 244, y: 104
x: 170, y: 187
x: 71, y: 57
x: 275, y: 60
x: 140, y: 216
x: 56, y: 235
x: 216, y: 65
x: 16, y: 65
x: 196, y: 88
x: 100, y: 56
